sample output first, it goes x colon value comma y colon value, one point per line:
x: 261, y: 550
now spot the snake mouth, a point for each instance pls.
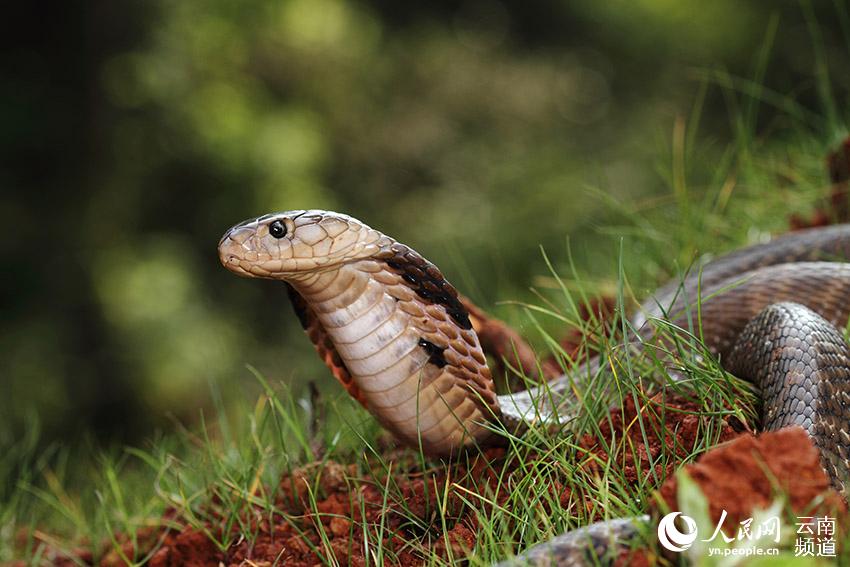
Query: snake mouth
x: 239, y: 253
x: 248, y: 263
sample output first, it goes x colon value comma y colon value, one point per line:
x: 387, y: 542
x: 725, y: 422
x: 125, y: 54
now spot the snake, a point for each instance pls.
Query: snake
x: 397, y: 336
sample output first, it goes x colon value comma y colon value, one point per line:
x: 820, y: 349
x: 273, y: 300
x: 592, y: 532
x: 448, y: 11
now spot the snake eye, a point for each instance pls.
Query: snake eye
x: 277, y: 229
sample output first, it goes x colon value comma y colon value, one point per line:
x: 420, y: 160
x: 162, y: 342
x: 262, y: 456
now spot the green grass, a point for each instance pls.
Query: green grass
x: 714, y: 200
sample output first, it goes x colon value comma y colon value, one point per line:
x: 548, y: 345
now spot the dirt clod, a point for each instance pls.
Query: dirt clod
x: 745, y: 474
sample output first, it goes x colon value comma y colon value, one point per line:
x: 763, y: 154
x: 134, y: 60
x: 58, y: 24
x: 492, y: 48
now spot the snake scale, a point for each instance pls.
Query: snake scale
x: 394, y: 332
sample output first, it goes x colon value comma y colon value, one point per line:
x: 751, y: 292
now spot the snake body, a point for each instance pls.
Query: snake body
x: 395, y: 334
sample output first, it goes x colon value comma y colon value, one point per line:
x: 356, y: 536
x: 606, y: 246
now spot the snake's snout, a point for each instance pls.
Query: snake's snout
x: 240, y: 251
x: 231, y: 254
x: 229, y: 260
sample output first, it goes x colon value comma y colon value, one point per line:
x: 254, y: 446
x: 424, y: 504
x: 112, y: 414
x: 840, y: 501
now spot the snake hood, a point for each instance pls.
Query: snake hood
x: 385, y: 321
x: 292, y: 244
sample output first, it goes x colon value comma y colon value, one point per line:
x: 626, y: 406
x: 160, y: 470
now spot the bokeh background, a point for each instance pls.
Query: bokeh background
x: 134, y: 132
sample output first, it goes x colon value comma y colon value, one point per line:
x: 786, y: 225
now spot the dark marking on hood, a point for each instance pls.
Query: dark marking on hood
x: 426, y: 280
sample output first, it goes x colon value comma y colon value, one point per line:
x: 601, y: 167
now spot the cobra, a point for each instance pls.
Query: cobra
x: 394, y: 332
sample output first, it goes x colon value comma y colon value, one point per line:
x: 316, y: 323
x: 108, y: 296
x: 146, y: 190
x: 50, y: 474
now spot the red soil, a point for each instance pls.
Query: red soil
x: 746, y: 474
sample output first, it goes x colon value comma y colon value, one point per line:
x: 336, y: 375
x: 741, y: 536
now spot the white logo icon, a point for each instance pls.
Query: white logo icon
x: 670, y: 536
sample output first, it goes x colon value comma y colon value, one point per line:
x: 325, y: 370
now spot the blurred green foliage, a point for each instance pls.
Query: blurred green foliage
x: 134, y: 133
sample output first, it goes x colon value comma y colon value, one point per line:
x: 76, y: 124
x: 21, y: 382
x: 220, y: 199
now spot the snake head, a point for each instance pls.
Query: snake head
x: 294, y: 244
